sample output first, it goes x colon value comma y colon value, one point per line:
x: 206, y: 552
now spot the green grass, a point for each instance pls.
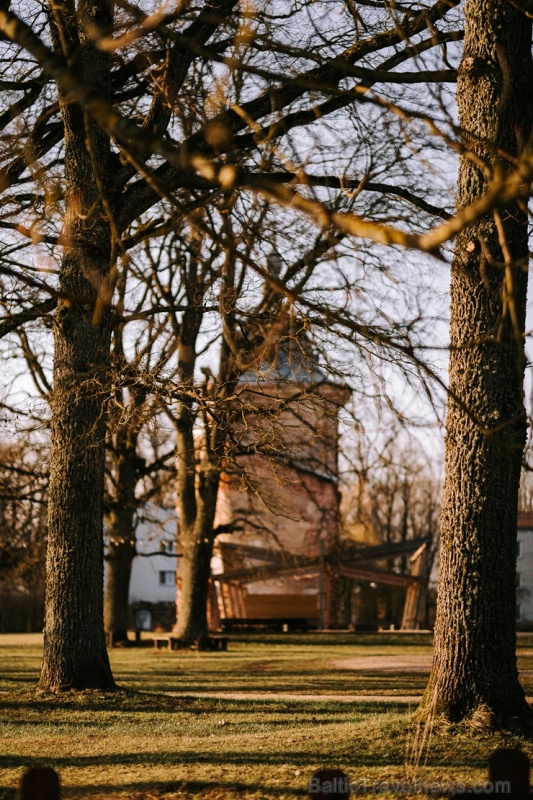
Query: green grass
x: 155, y: 740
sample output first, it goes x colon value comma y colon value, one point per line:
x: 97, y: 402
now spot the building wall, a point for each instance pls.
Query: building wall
x: 286, y: 503
x: 152, y: 595
x: 290, y: 508
x: 524, y: 572
x: 156, y: 547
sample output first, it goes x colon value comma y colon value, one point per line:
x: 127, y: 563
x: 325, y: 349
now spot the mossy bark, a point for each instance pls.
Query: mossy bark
x: 474, y: 668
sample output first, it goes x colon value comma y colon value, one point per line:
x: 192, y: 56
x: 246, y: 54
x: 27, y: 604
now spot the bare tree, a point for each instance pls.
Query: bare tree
x: 209, y: 414
x: 139, y: 461
x: 133, y: 166
x: 23, y: 487
x: 392, y: 494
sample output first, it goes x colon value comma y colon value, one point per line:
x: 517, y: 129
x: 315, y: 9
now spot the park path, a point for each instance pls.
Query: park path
x: 362, y: 664
x: 317, y: 698
x: 420, y: 664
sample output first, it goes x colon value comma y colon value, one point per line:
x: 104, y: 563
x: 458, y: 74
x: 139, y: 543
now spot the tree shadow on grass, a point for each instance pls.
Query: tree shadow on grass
x: 139, y: 789
x: 363, y: 758
x: 123, y: 700
x: 315, y: 682
x: 372, y: 684
x: 145, y: 702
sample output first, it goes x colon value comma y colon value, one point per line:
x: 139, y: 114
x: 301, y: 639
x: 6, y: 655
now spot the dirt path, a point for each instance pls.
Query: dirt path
x: 412, y: 664
x: 317, y: 698
x: 386, y: 664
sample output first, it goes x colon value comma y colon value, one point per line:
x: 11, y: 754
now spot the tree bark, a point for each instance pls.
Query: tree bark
x: 121, y: 551
x: 197, y: 549
x: 474, y: 667
x: 121, y: 506
x: 199, y: 465
x: 75, y: 655
x: 198, y: 475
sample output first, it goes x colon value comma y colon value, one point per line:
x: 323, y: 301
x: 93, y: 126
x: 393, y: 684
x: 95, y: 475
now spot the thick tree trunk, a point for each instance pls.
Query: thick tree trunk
x: 474, y: 668
x: 75, y: 655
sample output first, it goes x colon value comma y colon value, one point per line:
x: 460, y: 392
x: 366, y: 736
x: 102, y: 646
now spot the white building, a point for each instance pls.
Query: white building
x: 152, y: 595
x: 524, y: 572
x: 153, y: 574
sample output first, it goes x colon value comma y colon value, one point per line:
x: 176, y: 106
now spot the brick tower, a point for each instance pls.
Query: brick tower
x: 280, y: 495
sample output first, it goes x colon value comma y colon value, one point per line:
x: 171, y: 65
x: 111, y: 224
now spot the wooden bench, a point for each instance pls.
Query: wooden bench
x: 162, y: 641
x: 273, y: 624
x: 218, y: 642
x: 210, y: 643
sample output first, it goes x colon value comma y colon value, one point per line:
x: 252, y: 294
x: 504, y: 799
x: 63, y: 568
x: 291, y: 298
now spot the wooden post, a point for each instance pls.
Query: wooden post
x: 321, y: 590
x: 39, y: 783
x: 213, y: 612
x: 512, y: 766
x: 328, y: 596
x: 331, y: 784
x: 416, y: 593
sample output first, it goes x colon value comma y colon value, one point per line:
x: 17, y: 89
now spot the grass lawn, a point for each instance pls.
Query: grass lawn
x: 168, y: 735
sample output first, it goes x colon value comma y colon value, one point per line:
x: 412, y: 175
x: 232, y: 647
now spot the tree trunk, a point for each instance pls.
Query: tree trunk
x: 75, y: 655
x: 474, y: 668
x: 198, y: 478
x: 197, y: 542
x: 122, y: 505
x: 119, y: 558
